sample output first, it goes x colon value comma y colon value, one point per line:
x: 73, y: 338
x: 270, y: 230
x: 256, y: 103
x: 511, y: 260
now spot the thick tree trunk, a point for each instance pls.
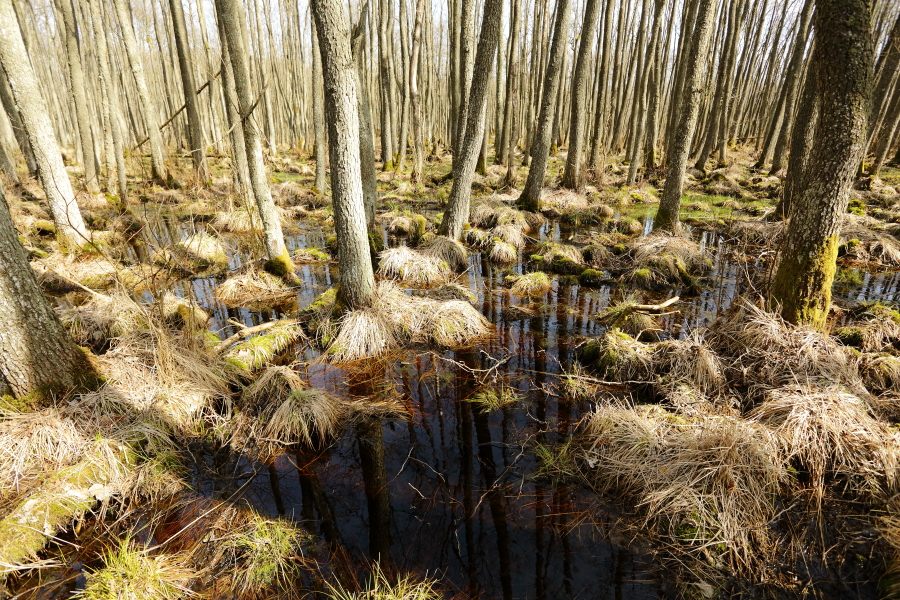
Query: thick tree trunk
x: 464, y: 166
x: 148, y: 107
x: 231, y: 14
x: 801, y: 289
x: 36, y: 352
x: 70, y: 229
x: 572, y: 175
x: 341, y: 111
x: 679, y: 149
x: 318, y: 114
x: 195, y: 129
x: 79, y: 95
x: 530, y: 199
x: 239, y: 167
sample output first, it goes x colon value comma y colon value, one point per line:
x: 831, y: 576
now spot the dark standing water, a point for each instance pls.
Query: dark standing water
x: 450, y: 492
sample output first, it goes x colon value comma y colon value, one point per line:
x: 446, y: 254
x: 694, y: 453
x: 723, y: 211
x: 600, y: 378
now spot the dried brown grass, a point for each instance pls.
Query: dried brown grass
x: 411, y: 266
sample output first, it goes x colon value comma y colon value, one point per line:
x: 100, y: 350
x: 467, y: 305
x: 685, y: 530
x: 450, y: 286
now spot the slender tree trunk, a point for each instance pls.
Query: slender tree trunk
x: 884, y: 143
x: 801, y: 289
x: 464, y: 167
x: 572, y: 174
x: 36, y: 352
x: 530, y: 199
x: 195, y: 129
x: 70, y: 229
x: 802, y: 139
x: 387, y: 89
x: 318, y: 113
x: 240, y: 166
x: 341, y: 111
x: 679, y: 149
x: 366, y: 132
x: 231, y: 14
x: 7, y: 152
x: 79, y: 95
x: 418, y: 135
x: 15, y: 120
x: 148, y: 107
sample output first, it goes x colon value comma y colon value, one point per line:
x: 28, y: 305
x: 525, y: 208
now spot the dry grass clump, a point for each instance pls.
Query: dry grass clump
x: 405, y: 264
x: 204, y: 249
x: 618, y: 356
x: 689, y: 361
x: 102, y: 318
x: 761, y: 232
x: 246, y: 219
x: 289, y: 412
x: 861, y: 240
x: 763, y: 351
x: 708, y: 483
x: 877, y: 328
x: 511, y: 234
x: 447, y: 251
x: 136, y: 574
x: 181, y: 313
x: 625, y: 316
x: 479, y: 238
x: 450, y: 291
x: 530, y: 285
x: 880, y: 372
x: 253, y: 288
x: 687, y: 254
x: 57, y: 272
x: 396, y: 319
x: 829, y: 432
x: 492, y: 213
x: 503, y: 253
x: 554, y: 251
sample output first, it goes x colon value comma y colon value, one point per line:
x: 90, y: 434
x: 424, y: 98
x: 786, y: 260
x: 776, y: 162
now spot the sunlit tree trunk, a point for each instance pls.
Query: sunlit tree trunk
x: 418, y: 132
x: 15, y: 121
x: 680, y: 147
x: 801, y: 289
x: 341, y: 113
x: 801, y: 145
x: 366, y: 132
x: 530, y: 199
x: 32, y: 109
x: 318, y: 114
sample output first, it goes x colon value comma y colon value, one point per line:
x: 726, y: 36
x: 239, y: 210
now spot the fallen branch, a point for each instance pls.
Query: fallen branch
x: 177, y: 112
x: 248, y: 331
x: 656, y: 307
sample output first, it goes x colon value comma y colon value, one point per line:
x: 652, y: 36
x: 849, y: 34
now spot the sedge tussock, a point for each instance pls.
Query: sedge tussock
x: 257, y: 351
x: 876, y: 329
x: 260, y: 554
x: 450, y: 291
x: 400, y: 225
x: 531, y: 285
x: 181, y: 313
x: 136, y: 574
x: 861, y: 240
x: 408, y: 265
x: 623, y: 315
x: 479, y: 238
x: 381, y: 588
x: 202, y: 248
x: 763, y: 232
x: 102, y: 318
x: 253, y: 288
x: 494, y: 399
x: 829, y: 431
x: 503, y: 253
x: 689, y: 361
x: 554, y: 251
x: 447, y: 251
x: 276, y: 382
x: 246, y: 219
x: 880, y: 372
x: 672, y: 258
x: 511, y: 234
x: 764, y: 351
x: 304, y: 417
x: 363, y: 333
x: 618, y: 356
x: 708, y: 483
x: 454, y: 324
x: 57, y: 272
x: 494, y: 213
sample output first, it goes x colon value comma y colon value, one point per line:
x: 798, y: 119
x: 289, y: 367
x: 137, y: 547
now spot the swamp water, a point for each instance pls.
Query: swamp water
x: 452, y: 492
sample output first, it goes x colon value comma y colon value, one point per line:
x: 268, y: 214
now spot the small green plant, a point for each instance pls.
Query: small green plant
x: 380, y: 588
x: 130, y: 572
x: 491, y: 399
x: 555, y: 462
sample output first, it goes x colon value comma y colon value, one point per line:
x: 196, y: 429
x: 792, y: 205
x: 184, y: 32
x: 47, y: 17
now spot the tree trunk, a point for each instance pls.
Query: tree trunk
x: 890, y: 131
x: 15, y: 120
x: 318, y: 114
x: 572, y: 175
x: 802, y: 138
x: 464, y: 166
x: 70, y: 229
x: 36, y: 353
x: 530, y: 199
x: 801, y: 289
x: 418, y: 136
x: 148, y: 107
x: 79, y: 95
x: 7, y: 150
x: 387, y: 89
x: 341, y: 112
x: 240, y: 168
x: 366, y: 133
x: 279, y: 260
x: 679, y: 149
x: 195, y: 129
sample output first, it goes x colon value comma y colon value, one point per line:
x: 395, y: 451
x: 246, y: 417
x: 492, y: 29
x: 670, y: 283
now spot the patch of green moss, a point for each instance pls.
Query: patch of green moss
x: 848, y: 247
x: 280, y: 266
x: 591, y: 278
x: 849, y: 336
x: 856, y: 206
x: 619, y: 249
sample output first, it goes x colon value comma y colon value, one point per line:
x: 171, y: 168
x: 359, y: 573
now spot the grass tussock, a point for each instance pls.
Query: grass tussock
x: 494, y: 399
x: 625, y: 316
x: 203, y: 249
x: 662, y: 258
x: 830, y: 433
x: 691, y: 362
x: 530, y: 285
x: 254, y: 289
x: 494, y: 213
x: 102, y: 318
x: 861, y: 240
x: 503, y: 253
x: 478, y: 238
x: 411, y: 266
x: 510, y: 234
x: 450, y: 291
x: 136, y: 574
x: 617, y: 356
x: 447, y: 251
x: 380, y: 587
x: 706, y: 484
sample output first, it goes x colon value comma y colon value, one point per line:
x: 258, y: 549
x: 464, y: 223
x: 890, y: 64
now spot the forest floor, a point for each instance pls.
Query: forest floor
x: 566, y: 405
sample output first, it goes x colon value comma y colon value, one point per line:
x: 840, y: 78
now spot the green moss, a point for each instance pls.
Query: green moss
x: 591, y: 277
x: 569, y: 280
x: 566, y: 266
x: 643, y: 278
x: 856, y: 206
x: 849, y: 247
x: 44, y: 227
x: 848, y: 278
x: 619, y: 249
x: 849, y: 336
x: 801, y: 290
x: 420, y: 226
x: 280, y: 266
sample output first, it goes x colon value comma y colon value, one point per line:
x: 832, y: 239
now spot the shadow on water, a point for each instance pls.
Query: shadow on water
x: 450, y: 492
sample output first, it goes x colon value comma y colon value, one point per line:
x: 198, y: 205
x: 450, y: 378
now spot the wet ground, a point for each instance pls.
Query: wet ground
x: 452, y: 492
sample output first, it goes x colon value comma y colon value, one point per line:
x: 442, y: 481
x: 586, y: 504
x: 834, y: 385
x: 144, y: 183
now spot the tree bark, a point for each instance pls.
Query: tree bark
x: 801, y: 289
x: 231, y: 14
x: 36, y: 352
x: 679, y: 149
x: 464, y: 166
x: 387, y: 88
x: 418, y: 135
x: 530, y: 199
x: 318, y: 114
x: 341, y: 112
x: 151, y: 118
x: 572, y: 176
x: 366, y: 133
x: 240, y: 168
x: 802, y: 138
x: 15, y: 120
x: 70, y: 229
x: 79, y: 95
x: 195, y: 128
